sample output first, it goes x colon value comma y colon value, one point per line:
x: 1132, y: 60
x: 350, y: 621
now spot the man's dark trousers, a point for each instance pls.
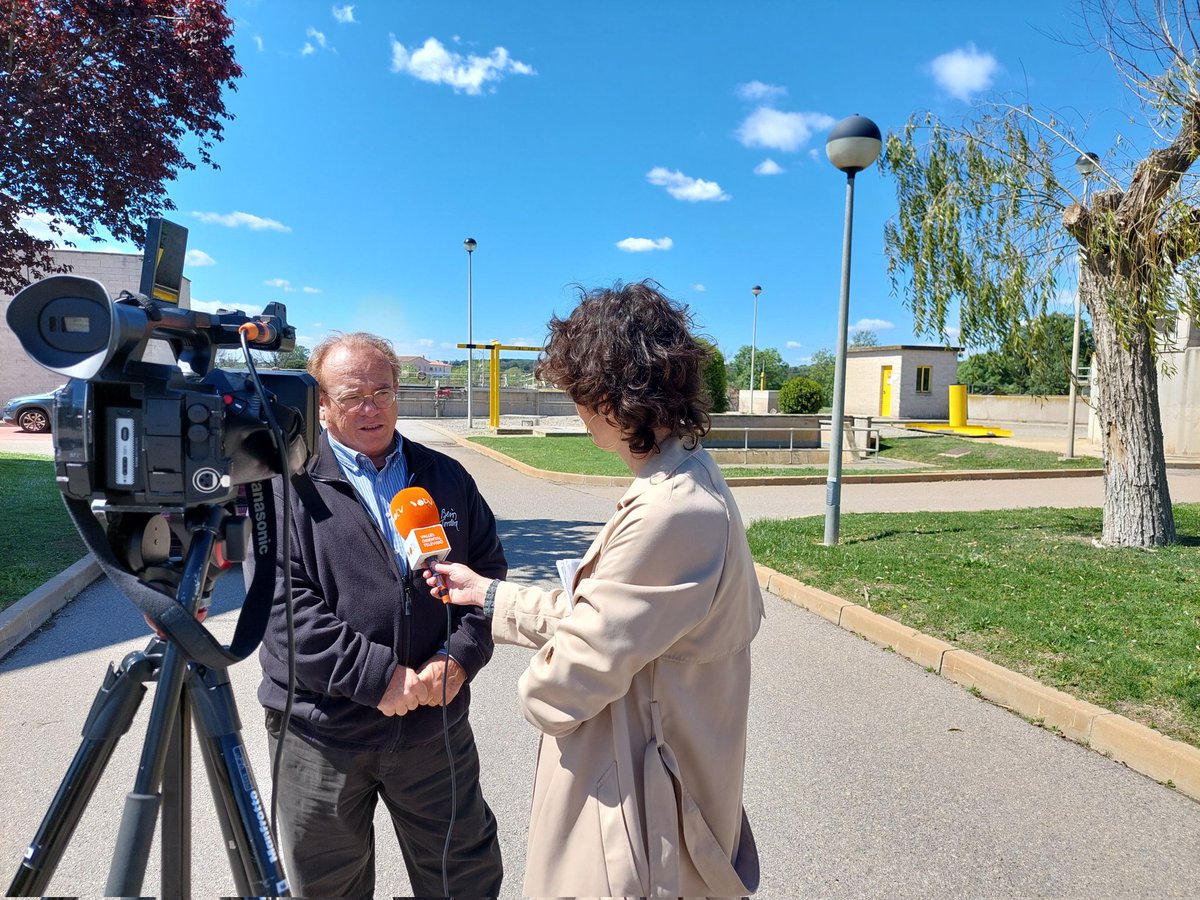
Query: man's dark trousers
x: 327, y: 800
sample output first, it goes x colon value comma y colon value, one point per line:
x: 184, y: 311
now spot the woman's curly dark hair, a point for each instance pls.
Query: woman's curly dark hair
x: 628, y: 352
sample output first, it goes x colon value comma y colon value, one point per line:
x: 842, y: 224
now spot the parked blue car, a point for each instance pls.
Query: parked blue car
x: 31, y: 413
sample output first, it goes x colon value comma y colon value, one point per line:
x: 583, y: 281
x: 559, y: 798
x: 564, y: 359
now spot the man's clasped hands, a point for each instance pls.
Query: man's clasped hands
x: 410, y: 688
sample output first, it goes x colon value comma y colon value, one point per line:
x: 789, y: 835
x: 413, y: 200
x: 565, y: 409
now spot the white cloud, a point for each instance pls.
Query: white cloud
x: 198, y: 258
x: 208, y: 306
x: 965, y: 71
x: 308, y: 49
x: 425, y: 342
x: 952, y: 333
x: 465, y: 74
x: 237, y: 219
x: 643, y: 245
x: 311, y: 290
x: 786, y: 131
x: 872, y: 325
x: 684, y: 187
x: 699, y: 288
x: 814, y: 155
x: 793, y: 345
x: 756, y: 91
x: 281, y: 283
x: 768, y: 167
x: 258, y: 42
x: 37, y: 225
x: 344, y: 14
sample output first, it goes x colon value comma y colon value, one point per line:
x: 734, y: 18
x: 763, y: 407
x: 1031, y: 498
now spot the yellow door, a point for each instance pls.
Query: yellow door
x: 885, y: 391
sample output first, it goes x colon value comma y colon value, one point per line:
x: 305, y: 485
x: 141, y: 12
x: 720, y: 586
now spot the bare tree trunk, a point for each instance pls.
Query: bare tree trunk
x: 1137, y: 501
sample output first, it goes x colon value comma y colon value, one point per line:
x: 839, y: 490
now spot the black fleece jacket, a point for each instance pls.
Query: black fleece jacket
x: 357, y: 618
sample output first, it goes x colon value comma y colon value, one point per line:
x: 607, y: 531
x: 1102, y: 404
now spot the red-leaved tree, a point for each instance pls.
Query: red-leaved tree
x: 95, y: 98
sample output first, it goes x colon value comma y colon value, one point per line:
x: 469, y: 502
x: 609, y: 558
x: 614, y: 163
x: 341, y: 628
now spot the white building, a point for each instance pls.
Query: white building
x: 900, y: 381
x: 118, y: 272
x: 426, y: 368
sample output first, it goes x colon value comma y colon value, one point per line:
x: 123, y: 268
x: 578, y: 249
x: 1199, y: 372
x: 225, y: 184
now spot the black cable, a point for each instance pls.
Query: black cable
x: 281, y: 446
x: 450, y: 758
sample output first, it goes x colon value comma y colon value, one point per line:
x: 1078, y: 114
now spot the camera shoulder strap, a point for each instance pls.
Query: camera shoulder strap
x: 177, y: 624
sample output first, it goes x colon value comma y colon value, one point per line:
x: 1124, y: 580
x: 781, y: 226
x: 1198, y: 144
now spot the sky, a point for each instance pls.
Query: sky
x: 585, y: 142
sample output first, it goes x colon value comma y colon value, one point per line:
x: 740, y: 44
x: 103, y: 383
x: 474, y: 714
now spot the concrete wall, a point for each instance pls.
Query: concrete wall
x: 780, y: 431
x: 1179, y: 401
x: 764, y: 402
x: 864, y: 371
x: 419, y: 403
x: 116, y: 271
x: 1022, y: 408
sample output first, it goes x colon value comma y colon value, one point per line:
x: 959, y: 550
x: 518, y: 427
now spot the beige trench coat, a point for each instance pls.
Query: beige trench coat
x: 641, y: 692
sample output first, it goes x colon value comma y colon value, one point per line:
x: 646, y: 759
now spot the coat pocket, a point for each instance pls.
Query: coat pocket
x: 619, y: 861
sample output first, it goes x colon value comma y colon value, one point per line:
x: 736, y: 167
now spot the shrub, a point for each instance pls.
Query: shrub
x: 715, y: 380
x: 800, y: 395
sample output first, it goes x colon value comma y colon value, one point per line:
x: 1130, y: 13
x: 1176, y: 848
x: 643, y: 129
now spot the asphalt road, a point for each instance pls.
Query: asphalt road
x: 866, y: 775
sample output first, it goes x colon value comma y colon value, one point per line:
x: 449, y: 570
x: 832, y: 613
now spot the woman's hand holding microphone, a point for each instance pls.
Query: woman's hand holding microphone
x: 462, y: 586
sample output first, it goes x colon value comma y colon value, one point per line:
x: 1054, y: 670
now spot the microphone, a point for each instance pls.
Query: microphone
x: 416, y: 518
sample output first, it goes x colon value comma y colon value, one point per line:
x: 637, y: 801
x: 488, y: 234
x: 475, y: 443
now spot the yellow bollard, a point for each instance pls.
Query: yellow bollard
x: 958, y: 405
x: 494, y: 387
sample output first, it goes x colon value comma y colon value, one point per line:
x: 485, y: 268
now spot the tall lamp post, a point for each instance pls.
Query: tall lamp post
x: 470, y: 246
x: 853, y: 145
x: 756, y: 290
x: 1086, y: 166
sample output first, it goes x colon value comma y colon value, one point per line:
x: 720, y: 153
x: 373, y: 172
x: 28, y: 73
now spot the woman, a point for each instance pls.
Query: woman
x: 641, y: 680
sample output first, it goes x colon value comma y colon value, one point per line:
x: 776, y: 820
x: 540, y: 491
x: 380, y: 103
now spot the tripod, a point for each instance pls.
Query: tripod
x: 164, y: 773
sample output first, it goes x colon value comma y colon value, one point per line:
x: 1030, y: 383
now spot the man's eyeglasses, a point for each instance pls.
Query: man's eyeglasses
x: 381, y: 399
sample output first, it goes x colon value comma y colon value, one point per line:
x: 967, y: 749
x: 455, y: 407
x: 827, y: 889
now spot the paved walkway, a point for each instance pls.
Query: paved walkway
x: 867, y: 776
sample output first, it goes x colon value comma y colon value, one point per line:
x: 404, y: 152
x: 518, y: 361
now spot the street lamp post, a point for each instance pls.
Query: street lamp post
x: 853, y: 145
x: 1086, y: 166
x: 756, y: 290
x: 470, y: 246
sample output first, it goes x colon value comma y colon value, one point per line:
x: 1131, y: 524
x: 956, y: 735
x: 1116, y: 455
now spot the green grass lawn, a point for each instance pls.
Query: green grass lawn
x: 967, y: 453
x: 574, y: 453
x: 37, y: 538
x: 578, y: 455
x: 1026, y: 589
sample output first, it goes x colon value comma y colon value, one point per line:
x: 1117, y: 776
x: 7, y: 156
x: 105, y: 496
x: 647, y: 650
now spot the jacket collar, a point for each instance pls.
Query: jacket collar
x: 324, y: 465
x: 659, y: 467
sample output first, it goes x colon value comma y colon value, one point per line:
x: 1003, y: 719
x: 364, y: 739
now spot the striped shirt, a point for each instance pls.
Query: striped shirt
x: 377, y: 487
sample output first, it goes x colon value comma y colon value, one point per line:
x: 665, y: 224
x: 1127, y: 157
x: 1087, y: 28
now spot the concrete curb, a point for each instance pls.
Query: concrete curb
x: 1140, y: 748
x: 32, y: 611
x: 751, y: 481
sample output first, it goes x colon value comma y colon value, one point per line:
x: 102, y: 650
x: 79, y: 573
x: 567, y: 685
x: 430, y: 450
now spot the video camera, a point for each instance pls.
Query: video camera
x: 152, y: 444
x: 140, y: 434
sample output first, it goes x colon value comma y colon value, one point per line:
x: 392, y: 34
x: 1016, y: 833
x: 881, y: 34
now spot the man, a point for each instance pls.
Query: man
x: 372, y: 653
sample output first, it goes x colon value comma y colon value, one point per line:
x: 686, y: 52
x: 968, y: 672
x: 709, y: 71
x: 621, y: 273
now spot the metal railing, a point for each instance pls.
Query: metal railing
x: 870, y: 445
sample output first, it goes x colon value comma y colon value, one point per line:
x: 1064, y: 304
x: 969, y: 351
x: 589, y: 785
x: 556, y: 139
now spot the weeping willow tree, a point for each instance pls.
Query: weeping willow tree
x: 992, y: 219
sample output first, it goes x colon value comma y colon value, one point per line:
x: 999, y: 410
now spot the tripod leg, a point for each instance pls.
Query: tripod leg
x: 248, y: 840
x: 141, y: 804
x: 112, y: 712
x: 129, y: 860
x: 175, y: 835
